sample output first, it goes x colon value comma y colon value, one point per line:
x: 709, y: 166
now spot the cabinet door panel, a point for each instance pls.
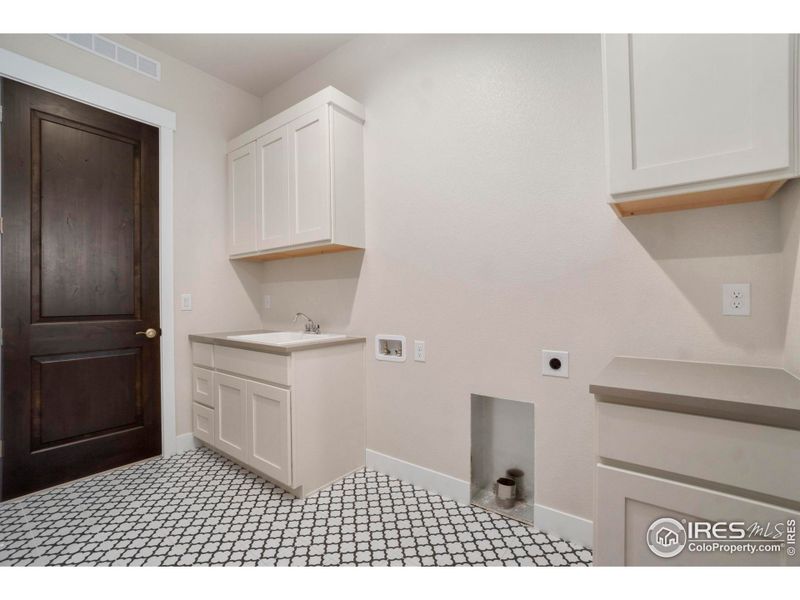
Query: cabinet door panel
x: 310, y: 186
x: 686, y: 109
x: 628, y: 503
x: 272, y: 206
x: 268, y: 418
x: 203, y: 423
x: 242, y: 200
x: 230, y: 433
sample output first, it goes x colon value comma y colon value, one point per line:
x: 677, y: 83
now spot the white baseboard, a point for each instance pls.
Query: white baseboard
x: 431, y: 480
x: 186, y: 441
x: 566, y: 526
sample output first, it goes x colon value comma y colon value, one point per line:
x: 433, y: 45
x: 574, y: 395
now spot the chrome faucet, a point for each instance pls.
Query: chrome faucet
x: 311, y: 326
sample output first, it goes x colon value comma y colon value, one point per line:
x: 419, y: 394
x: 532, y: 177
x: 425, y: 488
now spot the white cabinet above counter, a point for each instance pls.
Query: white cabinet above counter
x: 699, y: 120
x: 296, y: 181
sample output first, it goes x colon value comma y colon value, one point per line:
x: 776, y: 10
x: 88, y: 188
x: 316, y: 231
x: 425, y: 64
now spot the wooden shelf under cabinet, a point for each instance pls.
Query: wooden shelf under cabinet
x: 296, y: 252
x: 754, y: 192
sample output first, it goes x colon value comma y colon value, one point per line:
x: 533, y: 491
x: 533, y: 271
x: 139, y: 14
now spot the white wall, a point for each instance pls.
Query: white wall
x: 209, y: 112
x: 489, y: 237
x: 789, y: 198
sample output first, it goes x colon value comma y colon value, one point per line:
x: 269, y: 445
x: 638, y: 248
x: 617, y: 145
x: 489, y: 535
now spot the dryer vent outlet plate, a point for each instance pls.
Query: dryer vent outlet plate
x: 555, y: 363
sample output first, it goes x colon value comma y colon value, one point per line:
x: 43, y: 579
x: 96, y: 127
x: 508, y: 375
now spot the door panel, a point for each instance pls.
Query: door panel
x: 628, y: 503
x: 77, y: 396
x: 242, y: 200
x: 87, y: 265
x: 691, y: 108
x: 310, y: 183
x: 81, y: 391
x: 270, y: 430
x: 272, y: 198
x: 229, y: 399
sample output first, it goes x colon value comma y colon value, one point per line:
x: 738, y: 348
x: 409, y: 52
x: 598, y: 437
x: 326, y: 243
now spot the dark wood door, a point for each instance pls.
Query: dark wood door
x: 81, y: 390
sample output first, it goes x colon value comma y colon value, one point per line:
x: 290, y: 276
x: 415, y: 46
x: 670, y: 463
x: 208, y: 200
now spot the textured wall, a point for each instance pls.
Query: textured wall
x: 489, y: 237
x: 789, y: 198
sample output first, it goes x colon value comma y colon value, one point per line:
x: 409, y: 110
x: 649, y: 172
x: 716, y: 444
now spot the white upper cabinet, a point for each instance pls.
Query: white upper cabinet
x: 272, y: 191
x: 241, y: 198
x: 307, y: 171
x: 699, y: 120
x: 310, y: 188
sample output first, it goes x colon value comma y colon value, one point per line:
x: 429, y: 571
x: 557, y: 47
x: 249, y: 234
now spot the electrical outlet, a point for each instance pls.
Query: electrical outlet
x: 267, y: 301
x: 419, y: 351
x: 736, y: 299
x: 555, y: 363
x: 186, y: 302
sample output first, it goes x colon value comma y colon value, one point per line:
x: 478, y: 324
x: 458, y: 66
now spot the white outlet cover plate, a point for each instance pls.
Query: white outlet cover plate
x: 419, y: 350
x: 548, y: 355
x: 736, y: 299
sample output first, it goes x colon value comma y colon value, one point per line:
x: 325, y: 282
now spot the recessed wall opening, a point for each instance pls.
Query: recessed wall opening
x: 502, y: 456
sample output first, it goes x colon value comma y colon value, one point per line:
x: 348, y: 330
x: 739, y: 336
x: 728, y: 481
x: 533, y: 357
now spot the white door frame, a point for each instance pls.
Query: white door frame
x: 36, y: 74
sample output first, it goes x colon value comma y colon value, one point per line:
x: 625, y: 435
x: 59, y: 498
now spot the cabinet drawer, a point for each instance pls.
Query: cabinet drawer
x: 257, y: 365
x: 203, y: 354
x: 743, y: 455
x: 203, y: 386
x: 203, y: 423
x: 628, y: 503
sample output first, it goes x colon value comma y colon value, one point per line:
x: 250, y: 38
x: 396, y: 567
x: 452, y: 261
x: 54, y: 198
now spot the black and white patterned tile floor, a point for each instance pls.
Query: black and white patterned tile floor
x: 198, y: 508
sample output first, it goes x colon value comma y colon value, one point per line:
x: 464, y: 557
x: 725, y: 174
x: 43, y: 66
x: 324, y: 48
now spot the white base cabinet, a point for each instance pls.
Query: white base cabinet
x: 698, y: 120
x: 654, y: 464
x: 296, y: 181
x: 298, y: 420
x: 628, y: 502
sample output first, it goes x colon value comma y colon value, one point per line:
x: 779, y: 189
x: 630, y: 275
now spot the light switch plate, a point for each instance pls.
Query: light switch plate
x: 736, y: 299
x: 186, y: 302
x: 555, y: 363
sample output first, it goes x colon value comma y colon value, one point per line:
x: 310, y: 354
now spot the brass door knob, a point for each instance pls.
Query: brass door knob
x: 150, y: 333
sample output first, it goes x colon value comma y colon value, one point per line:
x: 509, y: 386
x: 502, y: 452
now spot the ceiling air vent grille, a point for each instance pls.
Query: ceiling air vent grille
x: 108, y: 49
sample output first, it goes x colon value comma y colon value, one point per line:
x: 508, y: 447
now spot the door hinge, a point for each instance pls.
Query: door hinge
x: 1, y: 448
x: 2, y: 231
x: 1, y: 113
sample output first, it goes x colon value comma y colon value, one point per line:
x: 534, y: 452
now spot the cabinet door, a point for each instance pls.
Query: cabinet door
x: 684, y: 109
x: 203, y: 386
x: 272, y: 205
x: 230, y: 433
x: 628, y: 503
x: 242, y: 200
x: 203, y: 423
x: 310, y: 185
x: 269, y: 441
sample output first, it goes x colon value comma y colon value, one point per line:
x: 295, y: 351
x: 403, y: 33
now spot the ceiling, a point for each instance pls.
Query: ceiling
x: 255, y: 62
